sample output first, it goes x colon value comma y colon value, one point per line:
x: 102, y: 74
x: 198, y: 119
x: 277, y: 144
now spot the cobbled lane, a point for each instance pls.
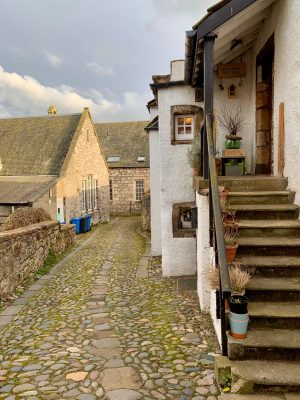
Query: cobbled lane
x: 96, y: 330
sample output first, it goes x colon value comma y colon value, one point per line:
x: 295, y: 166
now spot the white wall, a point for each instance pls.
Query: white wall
x: 176, y: 184
x: 246, y: 100
x: 284, y: 21
x: 155, y: 193
x: 177, y: 70
x: 203, y: 252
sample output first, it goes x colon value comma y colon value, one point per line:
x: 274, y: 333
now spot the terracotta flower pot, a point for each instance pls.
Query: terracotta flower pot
x: 231, y: 252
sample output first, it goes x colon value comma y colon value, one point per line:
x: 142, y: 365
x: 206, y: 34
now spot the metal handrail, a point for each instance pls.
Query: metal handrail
x: 225, y: 285
x: 217, y: 232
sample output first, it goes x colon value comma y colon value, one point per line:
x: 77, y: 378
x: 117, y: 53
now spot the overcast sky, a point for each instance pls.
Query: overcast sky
x: 99, y: 54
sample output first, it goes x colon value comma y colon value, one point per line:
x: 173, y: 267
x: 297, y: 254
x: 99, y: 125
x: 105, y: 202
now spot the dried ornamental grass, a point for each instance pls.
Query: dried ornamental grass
x: 25, y: 216
x: 239, y: 278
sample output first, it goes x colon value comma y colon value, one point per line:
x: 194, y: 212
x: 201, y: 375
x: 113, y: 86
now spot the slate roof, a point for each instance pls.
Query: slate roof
x: 127, y: 140
x: 153, y: 125
x: 35, y: 145
x: 24, y: 189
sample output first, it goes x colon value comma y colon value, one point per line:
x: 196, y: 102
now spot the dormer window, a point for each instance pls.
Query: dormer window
x: 141, y: 158
x: 113, y: 159
x: 184, y: 127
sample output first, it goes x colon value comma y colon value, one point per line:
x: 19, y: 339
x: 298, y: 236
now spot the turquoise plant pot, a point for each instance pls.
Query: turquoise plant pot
x: 238, y: 325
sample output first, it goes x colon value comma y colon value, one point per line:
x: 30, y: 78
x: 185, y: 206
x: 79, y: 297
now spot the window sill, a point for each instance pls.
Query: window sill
x: 185, y: 233
x: 175, y: 142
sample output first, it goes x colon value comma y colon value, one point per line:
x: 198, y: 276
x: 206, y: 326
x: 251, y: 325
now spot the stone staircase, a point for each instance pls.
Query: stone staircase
x: 266, y: 365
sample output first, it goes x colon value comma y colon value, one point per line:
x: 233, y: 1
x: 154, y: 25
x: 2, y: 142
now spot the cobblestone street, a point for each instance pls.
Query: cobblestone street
x: 96, y: 329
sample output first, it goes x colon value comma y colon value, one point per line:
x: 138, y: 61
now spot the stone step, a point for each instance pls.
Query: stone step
x: 267, y: 228
x: 270, y: 344
x: 279, y: 266
x: 265, y: 211
x: 245, y: 183
x: 253, y: 376
x: 258, y: 396
x: 275, y: 289
x: 269, y: 246
x: 261, y: 197
x: 275, y: 315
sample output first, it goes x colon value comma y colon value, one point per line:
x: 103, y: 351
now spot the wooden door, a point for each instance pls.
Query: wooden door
x: 264, y: 108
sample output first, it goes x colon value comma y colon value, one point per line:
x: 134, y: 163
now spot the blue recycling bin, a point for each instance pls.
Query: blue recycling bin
x: 77, y: 223
x: 89, y: 222
x: 83, y: 224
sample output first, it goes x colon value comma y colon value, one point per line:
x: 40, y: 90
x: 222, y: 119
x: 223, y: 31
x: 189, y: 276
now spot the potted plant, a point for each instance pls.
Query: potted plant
x: 223, y: 194
x: 194, y: 156
x: 231, y: 229
x: 237, y: 302
x: 238, y: 316
x: 232, y: 119
x: 239, y: 278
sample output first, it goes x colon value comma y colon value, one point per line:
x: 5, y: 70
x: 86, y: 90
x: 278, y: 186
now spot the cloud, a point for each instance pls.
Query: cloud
x: 165, y: 8
x: 24, y: 95
x: 52, y: 59
x: 100, y: 69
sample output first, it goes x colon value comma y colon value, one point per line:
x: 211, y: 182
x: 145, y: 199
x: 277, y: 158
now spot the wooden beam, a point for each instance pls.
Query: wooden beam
x: 209, y: 42
x: 281, y: 160
x: 230, y: 57
x: 255, y: 24
x: 221, y: 16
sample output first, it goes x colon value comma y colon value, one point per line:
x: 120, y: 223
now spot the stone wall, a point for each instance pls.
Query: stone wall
x: 123, y: 184
x: 24, y: 250
x: 85, y: 158
x: 146, y: 212
x: 48, y: 202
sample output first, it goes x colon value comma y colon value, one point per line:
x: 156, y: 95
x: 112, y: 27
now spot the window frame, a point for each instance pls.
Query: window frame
x: 95, y: 194
x: 184, y: 137
x: 138, y: 193
x: 178, y: 111
x: 113, y: 159
x: 89, y: 193
x: 178, y: 209
x: 83, y: 196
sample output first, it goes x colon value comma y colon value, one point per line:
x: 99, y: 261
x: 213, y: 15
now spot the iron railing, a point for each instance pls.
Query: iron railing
x: 216, y: 229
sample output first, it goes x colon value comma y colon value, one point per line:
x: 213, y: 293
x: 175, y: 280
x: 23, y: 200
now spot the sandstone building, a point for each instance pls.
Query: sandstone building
x: 126, y: 148
x: 54, y: 162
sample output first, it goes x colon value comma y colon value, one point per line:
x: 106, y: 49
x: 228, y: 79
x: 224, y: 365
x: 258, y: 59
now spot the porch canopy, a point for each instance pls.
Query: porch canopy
x: 234, y: 24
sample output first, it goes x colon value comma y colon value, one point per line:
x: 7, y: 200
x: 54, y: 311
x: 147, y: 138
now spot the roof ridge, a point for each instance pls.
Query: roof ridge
x: 41, y: 116
x: 121, y: 122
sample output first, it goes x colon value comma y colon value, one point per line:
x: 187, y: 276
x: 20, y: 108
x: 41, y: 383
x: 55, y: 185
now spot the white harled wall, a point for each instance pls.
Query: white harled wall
x: 176, y: 180
x: 155, y: 189
x: 284, y: 22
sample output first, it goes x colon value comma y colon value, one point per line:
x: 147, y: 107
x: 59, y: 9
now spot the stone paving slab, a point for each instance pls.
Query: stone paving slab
x: 11, y: 310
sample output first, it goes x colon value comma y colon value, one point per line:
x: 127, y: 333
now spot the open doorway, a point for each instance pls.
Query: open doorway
x: 264, y: 108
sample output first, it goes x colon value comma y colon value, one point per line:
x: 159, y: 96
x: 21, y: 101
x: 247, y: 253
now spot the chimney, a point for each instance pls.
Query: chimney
x: 52, y: 110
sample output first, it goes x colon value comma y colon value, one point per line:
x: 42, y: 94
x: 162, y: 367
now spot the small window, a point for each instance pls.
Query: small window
x: 89, y: 193
x: 83, y: 194
x: 110, y: 190
x: 139, y: 190
x: 184, y: 127
x: 95, y: 197
x: 113, y: 159
x: 141, y: 158
x: 183, y: 220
